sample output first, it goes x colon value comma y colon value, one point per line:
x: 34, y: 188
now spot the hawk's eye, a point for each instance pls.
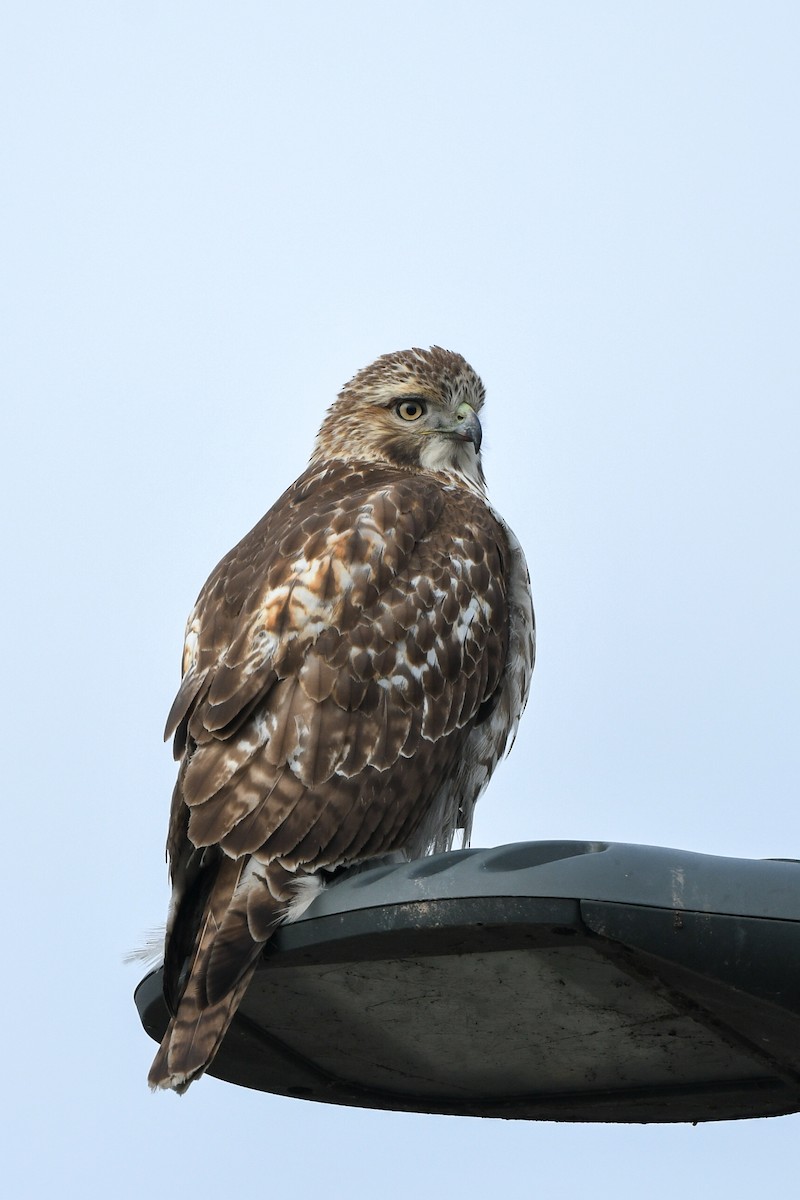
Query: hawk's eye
x: 410, y: 410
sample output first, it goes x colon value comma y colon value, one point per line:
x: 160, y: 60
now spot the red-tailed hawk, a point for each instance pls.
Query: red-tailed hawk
x: 353, y: 671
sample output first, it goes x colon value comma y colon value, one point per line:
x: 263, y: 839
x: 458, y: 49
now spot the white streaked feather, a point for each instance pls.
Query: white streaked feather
x: 306, y: 890
x: 151, y: 951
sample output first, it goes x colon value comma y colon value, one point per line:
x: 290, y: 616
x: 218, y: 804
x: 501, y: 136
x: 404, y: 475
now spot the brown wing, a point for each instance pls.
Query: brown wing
x: 335, y: 664
x: 359, y: 624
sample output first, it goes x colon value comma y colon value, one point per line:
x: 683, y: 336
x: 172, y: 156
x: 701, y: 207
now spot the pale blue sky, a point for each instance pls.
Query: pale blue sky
x: 213, y: 215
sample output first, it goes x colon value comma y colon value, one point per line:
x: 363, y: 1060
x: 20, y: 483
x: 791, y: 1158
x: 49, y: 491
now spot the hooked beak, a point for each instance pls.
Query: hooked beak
x: 466, y: 427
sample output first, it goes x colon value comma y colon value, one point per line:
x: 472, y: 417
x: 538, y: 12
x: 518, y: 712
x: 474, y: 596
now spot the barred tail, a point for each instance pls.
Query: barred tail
x: 194, y: 1036
x: 246, y: 904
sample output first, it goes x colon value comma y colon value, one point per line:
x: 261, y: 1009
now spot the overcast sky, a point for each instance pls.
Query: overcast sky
x: 213, y: 215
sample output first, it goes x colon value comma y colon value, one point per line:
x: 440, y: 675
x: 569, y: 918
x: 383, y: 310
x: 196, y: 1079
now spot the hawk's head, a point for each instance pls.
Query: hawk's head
x: 415, y: 408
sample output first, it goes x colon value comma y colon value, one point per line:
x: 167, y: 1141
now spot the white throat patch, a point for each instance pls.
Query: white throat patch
x: 454, y: 458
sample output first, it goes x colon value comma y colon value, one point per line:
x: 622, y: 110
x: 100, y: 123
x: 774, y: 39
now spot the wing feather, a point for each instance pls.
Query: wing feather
x: 336, y: 664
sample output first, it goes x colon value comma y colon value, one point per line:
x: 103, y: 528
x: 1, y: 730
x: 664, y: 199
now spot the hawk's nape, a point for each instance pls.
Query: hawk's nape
x: 353, y: 671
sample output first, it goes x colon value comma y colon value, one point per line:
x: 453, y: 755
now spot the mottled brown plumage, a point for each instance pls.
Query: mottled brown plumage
x: 353, y: 671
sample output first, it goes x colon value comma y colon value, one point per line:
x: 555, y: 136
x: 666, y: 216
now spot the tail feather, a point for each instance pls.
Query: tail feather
x: 246, y: 904
x: 194, y: 1036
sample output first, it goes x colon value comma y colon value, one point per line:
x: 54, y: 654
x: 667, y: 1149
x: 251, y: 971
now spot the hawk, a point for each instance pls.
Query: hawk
x: 352, y: 673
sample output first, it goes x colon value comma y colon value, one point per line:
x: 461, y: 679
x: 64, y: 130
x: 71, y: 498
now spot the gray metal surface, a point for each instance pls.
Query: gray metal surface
x: 547, y: 980
x: 625, y: 874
